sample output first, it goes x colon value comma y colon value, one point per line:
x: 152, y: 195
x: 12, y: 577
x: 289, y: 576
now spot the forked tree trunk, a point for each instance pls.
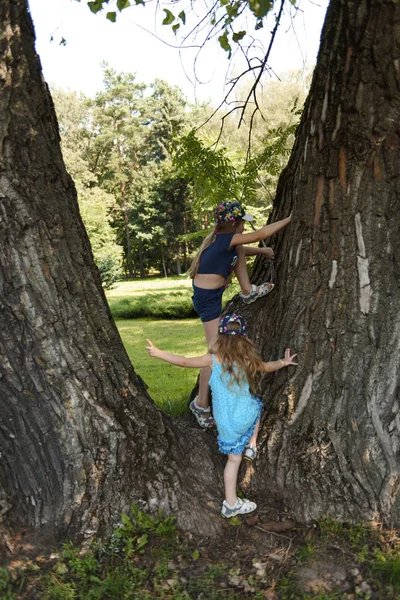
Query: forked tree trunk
x: 80, y: 439
x: 331, y: 436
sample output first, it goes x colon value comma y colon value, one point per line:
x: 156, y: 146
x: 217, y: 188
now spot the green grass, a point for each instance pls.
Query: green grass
x: 156, y: 298
x: 169, y: 386
x: 124, y: 289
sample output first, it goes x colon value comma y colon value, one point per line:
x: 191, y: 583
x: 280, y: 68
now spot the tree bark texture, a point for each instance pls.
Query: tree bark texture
x: 79, y: 437
x: 330, y: 440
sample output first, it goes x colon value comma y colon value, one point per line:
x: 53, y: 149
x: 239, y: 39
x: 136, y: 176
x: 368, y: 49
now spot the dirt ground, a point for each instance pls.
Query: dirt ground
x: 266, y: 555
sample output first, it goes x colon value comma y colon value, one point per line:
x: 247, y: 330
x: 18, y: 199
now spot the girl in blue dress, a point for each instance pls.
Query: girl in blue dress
x: 236, y: 371
x: 223, y: 252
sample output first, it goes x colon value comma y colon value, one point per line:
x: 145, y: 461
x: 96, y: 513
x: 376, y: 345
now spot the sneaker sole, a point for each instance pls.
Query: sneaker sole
x: 239, y: 514
x: 251, y: 300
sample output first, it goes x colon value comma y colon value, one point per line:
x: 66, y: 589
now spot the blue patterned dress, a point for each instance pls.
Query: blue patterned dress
x: 235, y: 410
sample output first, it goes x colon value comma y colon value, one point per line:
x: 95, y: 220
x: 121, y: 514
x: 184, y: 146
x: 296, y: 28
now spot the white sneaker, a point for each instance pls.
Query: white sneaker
x: 257, y: 291
x: 250, y: 452
x: 242, y: 507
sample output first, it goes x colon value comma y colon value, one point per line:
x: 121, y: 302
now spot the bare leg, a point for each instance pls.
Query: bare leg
x: 230, y: 477
x: 253, y: 440
x: 248, y: 293
x: 241, y: 271
x: 211, y: 331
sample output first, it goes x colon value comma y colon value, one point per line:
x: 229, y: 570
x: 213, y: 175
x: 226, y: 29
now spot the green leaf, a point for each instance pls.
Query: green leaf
x: 121, y: 4
x: 224, y: 43
x: 232, y: 10
x: 95, y: 6
x: 142, y: 541
x: 238, y: 36
x: 111, y: 16
x: 125, y: 519
x: 175, y: 27
x: 260, y: 7
x: 169, y: 17
x: 182, y: 16
x: 196, y: 555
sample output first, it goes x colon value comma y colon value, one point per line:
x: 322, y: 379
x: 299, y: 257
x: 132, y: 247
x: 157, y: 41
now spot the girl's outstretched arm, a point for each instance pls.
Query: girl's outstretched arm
x: 252, y: 251
x: 180, y: 361
x: 260, y: 234
x: 275, y: 365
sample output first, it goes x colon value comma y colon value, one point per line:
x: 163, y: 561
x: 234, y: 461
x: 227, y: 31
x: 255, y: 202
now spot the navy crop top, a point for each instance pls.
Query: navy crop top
x: 218, y: 258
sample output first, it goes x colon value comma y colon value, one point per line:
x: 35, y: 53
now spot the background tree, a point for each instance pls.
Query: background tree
x: 74, y: 114
x: 115, y: 152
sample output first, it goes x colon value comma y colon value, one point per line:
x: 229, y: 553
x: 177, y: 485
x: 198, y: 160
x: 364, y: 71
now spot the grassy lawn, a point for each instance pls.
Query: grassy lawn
x: 156, y: 298
x: 138, y: 287
x: 169, y: 386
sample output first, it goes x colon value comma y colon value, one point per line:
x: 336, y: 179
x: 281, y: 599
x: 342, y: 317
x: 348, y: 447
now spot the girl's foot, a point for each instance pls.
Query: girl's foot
x: 203, y: 415
x: 250, y: 452
x: 257, y: 291
x: 242, y: 506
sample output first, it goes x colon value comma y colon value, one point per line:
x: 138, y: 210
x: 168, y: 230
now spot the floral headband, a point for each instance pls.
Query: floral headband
x: 233, y: 318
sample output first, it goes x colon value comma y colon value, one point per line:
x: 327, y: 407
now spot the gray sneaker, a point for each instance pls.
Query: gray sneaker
x: 203, y: 416
x: 242, y: 507
x: 257, y: 291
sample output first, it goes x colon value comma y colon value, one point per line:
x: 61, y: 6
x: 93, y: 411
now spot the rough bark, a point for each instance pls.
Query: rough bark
x: 80, y: 439
x: 330, y: 439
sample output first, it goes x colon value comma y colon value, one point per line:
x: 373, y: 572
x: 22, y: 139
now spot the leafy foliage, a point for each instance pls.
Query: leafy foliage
x: 216, y: 178
x: 221, y: 17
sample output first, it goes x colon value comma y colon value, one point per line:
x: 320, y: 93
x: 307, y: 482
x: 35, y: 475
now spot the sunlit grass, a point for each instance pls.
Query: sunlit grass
x: 169, y: 386
x: 156, y: 298
x: 143, y: 286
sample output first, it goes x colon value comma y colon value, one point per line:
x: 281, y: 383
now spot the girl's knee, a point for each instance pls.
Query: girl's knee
x: 234, y: 458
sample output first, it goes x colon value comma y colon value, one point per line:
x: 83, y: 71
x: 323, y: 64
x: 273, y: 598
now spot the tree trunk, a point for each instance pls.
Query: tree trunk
x: 127, y: 233
x: 330, y: 440
x: 141, y: 265
x: 163, y: 260
x: 80, y: 438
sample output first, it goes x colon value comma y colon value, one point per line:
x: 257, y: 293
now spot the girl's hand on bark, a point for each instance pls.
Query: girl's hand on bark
x: 268, y: 253
x: 288, y: 360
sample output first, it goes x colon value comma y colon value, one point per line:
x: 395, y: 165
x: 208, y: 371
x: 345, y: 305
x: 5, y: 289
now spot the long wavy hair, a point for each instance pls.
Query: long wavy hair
x: 210, y: 239
x: 239, y: 358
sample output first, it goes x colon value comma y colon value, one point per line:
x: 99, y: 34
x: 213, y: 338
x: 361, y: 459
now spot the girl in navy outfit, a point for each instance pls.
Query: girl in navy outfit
x: 221, y: 253
x: 236, y: 370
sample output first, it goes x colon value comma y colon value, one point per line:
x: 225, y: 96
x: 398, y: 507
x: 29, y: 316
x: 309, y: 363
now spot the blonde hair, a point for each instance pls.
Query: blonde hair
x: 239, y: 358
x: 210, y: 239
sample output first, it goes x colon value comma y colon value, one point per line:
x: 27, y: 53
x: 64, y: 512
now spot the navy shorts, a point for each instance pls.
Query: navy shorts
x: 207, y: 303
